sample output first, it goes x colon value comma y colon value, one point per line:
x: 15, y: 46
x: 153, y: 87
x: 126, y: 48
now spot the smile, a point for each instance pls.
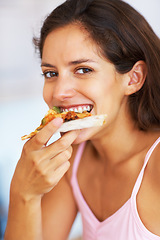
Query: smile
x: 77, y: 109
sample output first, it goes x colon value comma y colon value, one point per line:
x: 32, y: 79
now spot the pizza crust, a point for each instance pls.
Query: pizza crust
x: 87, y: 122
x: 92, y: 121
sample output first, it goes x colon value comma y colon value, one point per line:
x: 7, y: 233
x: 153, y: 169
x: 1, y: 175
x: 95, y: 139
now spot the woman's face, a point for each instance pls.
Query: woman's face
x: 78, y: 78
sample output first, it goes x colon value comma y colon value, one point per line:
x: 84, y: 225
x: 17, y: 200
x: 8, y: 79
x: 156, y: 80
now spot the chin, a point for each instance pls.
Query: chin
x: 87, y: 134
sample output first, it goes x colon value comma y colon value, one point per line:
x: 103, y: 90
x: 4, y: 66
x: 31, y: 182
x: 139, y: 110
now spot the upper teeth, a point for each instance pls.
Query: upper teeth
x: 79, y: 109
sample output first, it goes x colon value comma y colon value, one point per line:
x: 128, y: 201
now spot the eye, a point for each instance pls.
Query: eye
x: 83, y: 70
x: 50, y: 74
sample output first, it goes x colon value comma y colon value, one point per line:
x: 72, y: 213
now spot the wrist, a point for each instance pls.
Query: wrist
x: 23, y: 198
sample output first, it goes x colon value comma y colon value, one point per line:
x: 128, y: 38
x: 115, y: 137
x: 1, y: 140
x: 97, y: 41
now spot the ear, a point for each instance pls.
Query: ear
x: 136, y: 77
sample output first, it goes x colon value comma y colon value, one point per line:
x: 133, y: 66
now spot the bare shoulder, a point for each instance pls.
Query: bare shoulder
x: 148, y: 199
x: 155, y: 164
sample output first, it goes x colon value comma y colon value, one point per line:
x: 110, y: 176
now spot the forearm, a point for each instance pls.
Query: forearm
x: 37, y: 172
x: 24, y: 220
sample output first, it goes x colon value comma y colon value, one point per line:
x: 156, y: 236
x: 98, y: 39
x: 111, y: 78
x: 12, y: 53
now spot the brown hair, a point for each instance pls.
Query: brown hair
x: 124, y: 37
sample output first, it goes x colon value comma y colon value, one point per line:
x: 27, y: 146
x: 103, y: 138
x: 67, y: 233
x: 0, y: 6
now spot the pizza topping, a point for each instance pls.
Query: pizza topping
x: 56, y: 109
x: 55, y: 112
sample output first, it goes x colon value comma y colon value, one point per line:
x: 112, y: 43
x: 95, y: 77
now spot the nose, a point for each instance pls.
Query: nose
x: 63, y: 90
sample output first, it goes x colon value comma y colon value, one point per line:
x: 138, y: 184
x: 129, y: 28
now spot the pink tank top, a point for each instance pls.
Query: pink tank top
x: 124, y: 224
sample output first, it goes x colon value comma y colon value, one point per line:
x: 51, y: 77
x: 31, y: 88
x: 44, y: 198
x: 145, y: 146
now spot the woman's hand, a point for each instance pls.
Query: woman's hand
x: 41, y: 167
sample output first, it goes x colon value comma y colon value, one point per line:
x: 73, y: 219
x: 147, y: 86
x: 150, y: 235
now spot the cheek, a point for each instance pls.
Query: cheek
x: 47, y: 94
x: 107, y: 98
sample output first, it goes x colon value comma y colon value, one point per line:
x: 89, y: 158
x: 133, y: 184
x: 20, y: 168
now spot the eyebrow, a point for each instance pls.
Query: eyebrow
x: 47, y: 65
x: 79, y: 61
x: 76, y: 62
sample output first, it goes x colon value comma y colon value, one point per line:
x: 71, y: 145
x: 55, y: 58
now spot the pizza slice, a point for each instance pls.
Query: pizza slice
x: 72, y: 121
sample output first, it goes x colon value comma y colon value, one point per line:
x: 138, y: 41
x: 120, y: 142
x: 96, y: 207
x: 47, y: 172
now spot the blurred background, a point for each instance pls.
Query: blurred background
x: 21, y: 82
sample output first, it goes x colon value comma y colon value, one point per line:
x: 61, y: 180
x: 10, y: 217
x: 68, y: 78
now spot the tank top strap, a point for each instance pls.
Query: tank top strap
x: 77, y: 159
x: 140, y: 177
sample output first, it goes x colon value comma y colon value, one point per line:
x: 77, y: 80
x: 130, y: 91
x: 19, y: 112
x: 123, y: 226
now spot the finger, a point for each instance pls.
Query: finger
x: 43, y: 166
x: 59, y: 172
x: 62, y: 157
x: 41, y: 138
x: 60, y: 145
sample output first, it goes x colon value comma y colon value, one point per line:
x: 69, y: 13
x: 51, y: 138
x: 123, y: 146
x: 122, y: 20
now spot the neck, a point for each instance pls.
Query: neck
x: 122, y: 141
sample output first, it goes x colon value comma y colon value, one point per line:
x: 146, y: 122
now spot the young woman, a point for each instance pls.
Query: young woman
x: 100, y: 54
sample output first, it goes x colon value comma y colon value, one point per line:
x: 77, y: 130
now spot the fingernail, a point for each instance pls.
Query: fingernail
x: 57, y: 122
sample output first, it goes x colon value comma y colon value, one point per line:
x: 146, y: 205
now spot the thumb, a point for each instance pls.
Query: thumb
x: 41, y: 138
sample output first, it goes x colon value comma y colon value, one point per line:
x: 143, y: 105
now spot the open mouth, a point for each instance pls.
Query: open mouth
x: 78, y: 109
